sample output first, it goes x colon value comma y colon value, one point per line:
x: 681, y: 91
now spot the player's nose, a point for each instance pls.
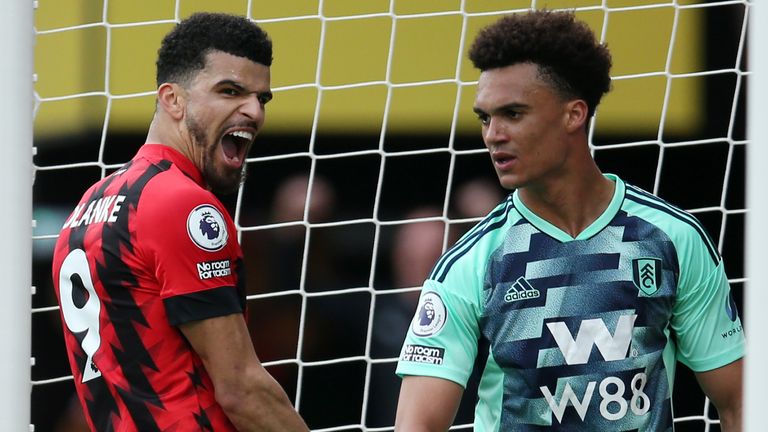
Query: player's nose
x: 495, y: 132
x: 253, y: 108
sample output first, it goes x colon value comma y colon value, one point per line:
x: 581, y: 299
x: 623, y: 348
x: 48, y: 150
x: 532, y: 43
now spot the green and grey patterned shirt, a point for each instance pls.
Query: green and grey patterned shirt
x: 580, y: 333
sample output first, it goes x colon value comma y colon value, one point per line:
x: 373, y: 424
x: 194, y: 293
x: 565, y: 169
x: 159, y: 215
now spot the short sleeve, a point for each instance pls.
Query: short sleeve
x: 705, y: 320
x: 443, y: 336
x: 189, y: 242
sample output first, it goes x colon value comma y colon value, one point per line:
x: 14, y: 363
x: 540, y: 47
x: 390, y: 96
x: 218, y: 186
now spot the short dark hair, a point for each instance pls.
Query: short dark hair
x: 565, y: 50
x: 183, y: 51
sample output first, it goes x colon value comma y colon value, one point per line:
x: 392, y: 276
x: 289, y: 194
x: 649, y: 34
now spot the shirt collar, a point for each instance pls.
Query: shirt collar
x: 595, y: 227
x: 162, y: 151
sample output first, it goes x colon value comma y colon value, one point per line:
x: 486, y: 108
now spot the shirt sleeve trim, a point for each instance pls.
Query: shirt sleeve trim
x: 459, y: 377
x: 721, y: 360
x: 202, y: 305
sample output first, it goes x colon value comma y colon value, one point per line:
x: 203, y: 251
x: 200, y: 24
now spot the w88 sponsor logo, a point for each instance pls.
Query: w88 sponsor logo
x: 612, y: 346
x: 613, y: 406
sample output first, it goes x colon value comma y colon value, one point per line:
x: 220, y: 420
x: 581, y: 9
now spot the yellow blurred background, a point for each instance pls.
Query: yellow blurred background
x: 95, y: 63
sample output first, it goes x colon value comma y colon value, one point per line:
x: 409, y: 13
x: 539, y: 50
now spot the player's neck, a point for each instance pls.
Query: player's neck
x: 161, y: 132
x: 572, y: 202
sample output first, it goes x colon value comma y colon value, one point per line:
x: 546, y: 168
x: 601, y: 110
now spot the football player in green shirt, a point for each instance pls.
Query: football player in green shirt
x: 579, y: 292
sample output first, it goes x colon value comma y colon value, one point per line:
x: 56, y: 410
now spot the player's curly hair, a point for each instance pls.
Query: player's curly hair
x: 565, y: 50
x: 182, y: 52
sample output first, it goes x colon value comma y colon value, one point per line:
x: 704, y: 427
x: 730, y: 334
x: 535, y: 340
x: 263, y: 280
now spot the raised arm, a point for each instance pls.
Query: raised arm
x: 250, y: 397
x: 427, y: 404
x: 723, y: 386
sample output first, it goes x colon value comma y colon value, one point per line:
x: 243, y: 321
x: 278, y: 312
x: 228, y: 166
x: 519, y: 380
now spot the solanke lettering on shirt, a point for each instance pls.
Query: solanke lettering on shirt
x: 104, y: 209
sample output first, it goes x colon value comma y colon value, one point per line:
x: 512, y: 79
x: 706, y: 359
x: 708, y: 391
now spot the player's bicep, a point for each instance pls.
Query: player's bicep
x: 724, y: 387
x: 724, y: 384
x: 224, y: 344
x: 427, y: 404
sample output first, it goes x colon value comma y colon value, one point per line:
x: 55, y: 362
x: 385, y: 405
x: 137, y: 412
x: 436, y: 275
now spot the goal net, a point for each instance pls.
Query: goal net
x: 371, y: 164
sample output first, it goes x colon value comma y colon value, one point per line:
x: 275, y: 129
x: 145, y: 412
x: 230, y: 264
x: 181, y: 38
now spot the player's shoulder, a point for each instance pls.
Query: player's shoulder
x: 682, y: 227
x: 474, y: 248
x: 658, y: 211
x: 173, y: 209
x: 174, y: 180
x: 168, y: 193
x: 173, y: 187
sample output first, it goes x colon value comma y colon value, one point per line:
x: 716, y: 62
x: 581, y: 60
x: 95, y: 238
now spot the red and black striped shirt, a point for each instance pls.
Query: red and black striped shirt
x: 146, y: 249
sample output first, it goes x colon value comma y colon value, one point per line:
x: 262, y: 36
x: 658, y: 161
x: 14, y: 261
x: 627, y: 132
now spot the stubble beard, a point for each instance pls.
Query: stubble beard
x: 220, y: 183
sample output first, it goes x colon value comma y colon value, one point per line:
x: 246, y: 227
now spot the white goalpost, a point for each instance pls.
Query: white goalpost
x: 15, y: 187
x: 370, y: 150
x: 756, y: 374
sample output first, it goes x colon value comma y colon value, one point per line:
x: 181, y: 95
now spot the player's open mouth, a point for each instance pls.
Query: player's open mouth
x: 503, y: 160
x: 234, y: 146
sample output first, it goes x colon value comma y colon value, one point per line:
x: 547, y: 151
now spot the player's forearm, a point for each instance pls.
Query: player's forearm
x: 724, y: 388
x: 414, y: 425
x: 433, y: 413
x: 730, y: 418
x: 281, y: 419
x: 421, y: 416
x: 261, y: 408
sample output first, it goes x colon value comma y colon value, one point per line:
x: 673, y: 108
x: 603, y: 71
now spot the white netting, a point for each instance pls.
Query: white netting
x: 371, y: 164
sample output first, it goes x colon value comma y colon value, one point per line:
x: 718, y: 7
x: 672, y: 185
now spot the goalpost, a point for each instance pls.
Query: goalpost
x: 373, y: 96
x: 755, y: 372
x: 15, y: 189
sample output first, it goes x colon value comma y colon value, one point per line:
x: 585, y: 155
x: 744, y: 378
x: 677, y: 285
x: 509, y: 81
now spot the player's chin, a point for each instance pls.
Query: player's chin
x: 508, y: 181
x: 226, y: 181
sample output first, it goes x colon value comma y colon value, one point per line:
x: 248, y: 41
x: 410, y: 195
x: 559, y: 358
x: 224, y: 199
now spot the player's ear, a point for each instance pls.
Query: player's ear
x: 171, y: 99
x: 577, y: 114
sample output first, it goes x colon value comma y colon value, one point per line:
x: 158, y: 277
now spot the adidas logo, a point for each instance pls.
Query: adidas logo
x: 521, y: 290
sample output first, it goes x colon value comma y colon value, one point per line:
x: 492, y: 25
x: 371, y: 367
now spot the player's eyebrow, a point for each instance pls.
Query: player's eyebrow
x: 232, y: 83
x: 513, y: 106
x: 240, y: 87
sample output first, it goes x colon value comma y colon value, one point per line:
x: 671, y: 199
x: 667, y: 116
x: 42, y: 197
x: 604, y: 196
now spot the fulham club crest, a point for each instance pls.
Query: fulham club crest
x: 646, y: 274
